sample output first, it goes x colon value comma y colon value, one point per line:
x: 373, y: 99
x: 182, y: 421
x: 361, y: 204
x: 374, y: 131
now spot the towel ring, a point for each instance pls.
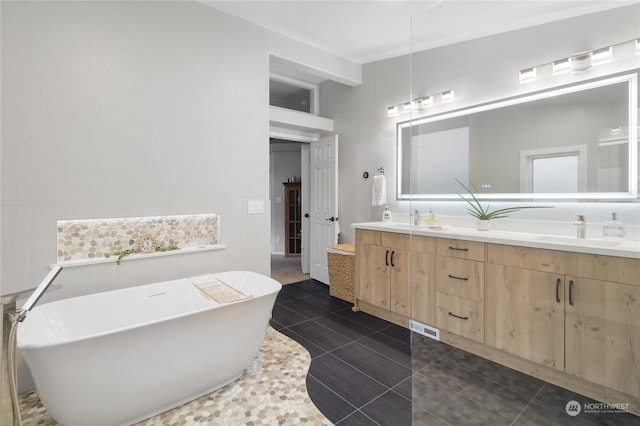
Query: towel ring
x: 380, y: 169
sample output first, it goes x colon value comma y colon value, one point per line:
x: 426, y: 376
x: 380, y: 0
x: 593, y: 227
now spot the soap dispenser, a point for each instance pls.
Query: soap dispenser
x: 386, y: 214
x: 613, y: 229
x: 431, y: 220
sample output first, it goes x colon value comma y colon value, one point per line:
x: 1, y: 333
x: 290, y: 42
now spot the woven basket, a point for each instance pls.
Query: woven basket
x: 342, y: 270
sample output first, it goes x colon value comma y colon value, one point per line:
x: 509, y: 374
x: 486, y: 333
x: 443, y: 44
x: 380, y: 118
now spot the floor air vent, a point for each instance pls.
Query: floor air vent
x: 425, y: 330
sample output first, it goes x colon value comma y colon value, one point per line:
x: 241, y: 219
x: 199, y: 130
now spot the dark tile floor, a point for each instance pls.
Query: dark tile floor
x: 364, y: 371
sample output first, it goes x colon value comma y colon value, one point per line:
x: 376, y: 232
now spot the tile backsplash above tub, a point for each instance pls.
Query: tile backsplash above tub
x: 92, y: 238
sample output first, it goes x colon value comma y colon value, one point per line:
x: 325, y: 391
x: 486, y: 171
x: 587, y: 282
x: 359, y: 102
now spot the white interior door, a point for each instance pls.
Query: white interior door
x: 304, y: 172
x: 324, y: 204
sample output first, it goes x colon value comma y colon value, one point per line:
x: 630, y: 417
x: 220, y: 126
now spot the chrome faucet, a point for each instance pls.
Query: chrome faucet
x: 415, y: 216
x: 581, y: 226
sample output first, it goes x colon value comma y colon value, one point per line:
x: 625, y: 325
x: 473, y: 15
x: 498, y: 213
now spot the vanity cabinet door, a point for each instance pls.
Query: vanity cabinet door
x: 374, y: 274
x: 399, y: 283
x: 525, y: 313
x: 603, y: 333
x: 423, y: 287
x: 382, y: 263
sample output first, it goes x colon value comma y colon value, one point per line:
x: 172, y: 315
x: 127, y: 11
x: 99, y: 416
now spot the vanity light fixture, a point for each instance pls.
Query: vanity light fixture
x: 602, y: 56
x: 583, y: 61
x: 421, y: 103
x: 528, y: 75
x: 580, y: 62
x: 561, y: 66
x: 447, y: 96
x: 426, y: 102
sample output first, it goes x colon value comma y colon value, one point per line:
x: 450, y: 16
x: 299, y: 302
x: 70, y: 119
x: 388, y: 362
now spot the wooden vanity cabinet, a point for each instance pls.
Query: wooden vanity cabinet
x: 569, y: 318
x: 577, y: 313
x: 382, y: 270
x: 460, y: 287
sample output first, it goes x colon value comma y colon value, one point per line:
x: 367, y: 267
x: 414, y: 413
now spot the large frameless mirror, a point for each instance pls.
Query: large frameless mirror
x: 574, y: 142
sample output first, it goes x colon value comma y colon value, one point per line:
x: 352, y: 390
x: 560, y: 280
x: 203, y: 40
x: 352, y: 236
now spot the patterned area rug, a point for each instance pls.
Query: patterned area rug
x: 271, y: 392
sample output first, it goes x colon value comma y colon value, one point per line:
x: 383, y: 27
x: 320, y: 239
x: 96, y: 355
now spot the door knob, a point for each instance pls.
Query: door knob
x: 306, y: 215
x: 332, y: 219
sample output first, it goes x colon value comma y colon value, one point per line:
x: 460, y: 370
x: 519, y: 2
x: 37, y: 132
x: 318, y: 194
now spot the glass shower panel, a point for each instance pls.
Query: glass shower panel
x: 473, y: 302
x: 431, y: 398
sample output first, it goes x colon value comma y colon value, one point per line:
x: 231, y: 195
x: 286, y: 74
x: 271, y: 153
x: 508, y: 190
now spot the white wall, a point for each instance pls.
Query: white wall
x: 285, y: 164
x: 478, y: 71
x: 113, y: 109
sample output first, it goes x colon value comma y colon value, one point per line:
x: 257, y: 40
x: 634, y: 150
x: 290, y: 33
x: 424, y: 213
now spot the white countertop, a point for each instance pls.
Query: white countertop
x: 623, y: 248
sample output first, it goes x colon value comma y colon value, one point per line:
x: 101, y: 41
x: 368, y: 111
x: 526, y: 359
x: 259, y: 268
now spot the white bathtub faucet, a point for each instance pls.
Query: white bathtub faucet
x: 17, y: 317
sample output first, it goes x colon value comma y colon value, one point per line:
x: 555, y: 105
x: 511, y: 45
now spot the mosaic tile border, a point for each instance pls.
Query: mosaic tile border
x: 271, y: 392
x: 92, y: 238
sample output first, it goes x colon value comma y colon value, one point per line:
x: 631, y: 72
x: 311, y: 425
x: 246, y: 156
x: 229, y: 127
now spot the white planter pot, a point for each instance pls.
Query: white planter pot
x: 483, y: 225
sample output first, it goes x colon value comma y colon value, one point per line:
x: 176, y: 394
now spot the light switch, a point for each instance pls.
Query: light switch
x: 278, y: 199
x: 255, y: 207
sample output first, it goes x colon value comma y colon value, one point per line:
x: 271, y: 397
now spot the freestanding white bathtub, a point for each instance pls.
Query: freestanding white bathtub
x: 122, y: 356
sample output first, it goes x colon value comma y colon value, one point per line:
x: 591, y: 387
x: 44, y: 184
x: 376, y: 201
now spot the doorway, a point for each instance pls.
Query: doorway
x: 309, y: 172
x: 287, y: 215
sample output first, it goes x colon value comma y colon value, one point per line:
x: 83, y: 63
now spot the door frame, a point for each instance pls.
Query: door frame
x: 305, y: 177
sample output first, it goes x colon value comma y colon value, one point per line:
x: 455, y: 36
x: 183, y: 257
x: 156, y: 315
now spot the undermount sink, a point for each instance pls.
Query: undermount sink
x: 578, y: 241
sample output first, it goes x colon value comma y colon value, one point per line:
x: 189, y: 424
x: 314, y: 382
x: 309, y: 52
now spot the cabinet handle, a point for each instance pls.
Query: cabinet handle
x: 386, y: 258
x: 392, y: 253
x: 458, y: 249
x: 558, y: 290
x: 459, y: 278
x: 458, y: 316
x: 571, y: 292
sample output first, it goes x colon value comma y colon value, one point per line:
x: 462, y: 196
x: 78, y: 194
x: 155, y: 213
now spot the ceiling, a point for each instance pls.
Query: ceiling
x: 366, y: 31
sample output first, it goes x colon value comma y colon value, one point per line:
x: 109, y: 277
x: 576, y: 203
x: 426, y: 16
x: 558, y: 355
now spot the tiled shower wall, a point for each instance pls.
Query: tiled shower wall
x: 92, y: 238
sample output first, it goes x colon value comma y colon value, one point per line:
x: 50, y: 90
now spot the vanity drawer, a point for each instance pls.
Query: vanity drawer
x: 386, y: 239
x: 460, y: 315
x: 464, y: 278
x: 553, y: 261
x: 422, y: 244
x: 470, y: 250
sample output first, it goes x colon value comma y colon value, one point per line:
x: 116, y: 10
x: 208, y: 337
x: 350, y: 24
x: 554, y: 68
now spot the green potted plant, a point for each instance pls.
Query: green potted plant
x: 483, y: 214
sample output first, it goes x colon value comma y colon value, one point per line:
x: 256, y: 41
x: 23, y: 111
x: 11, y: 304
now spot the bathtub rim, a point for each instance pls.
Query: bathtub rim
x: 215, y: 305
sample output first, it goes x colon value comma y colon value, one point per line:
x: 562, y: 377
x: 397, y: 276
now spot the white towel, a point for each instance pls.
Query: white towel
x: 379, y: 191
